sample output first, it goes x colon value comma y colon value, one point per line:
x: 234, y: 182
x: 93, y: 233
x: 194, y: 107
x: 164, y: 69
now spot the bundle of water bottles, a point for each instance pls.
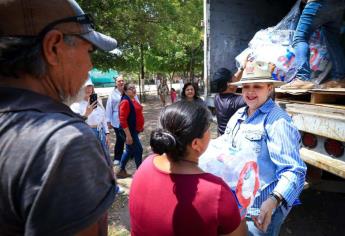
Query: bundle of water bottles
x: 274, y: 45
x: 238, y: 168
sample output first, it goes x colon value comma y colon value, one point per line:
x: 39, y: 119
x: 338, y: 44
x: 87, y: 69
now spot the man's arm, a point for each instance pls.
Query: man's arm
x: 239, y: 73
x: 100, y: 228
x: 77, y: 188
x: 108, y: 112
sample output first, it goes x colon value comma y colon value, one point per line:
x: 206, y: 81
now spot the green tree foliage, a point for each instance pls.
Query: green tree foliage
x: 160, y: 36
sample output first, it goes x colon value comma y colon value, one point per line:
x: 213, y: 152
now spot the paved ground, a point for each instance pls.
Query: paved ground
x: 319, y: 215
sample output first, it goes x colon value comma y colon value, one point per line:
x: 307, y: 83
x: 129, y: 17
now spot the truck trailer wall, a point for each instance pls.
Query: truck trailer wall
x: 231, y: 24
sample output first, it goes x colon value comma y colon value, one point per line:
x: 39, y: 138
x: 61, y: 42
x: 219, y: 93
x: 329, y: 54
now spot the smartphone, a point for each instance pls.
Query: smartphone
x: 93, y: 97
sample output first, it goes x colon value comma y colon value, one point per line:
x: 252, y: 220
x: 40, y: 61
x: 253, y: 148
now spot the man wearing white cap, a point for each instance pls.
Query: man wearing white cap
x: 55, y: 178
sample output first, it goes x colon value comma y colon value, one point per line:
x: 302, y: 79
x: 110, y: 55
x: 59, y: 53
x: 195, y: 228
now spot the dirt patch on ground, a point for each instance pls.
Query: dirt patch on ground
x: 119, y: 215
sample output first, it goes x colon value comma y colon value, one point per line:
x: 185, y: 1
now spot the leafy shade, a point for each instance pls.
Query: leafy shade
x: 155, y: 36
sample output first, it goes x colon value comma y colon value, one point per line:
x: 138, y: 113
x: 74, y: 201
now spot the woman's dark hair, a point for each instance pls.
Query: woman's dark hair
x: 183, y: 94
x: 179, y: 124
x: 126, y: 86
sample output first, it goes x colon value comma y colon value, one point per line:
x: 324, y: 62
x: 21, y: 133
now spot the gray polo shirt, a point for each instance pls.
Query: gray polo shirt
x: 54, y: 176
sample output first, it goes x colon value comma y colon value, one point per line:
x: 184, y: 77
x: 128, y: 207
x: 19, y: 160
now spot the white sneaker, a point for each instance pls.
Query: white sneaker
x: 116, y: 162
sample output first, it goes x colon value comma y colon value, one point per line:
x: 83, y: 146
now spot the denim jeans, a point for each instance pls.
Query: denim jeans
x: 100, y: 134
x: 327, y: 14
x: 119, y: 144
x: 273, y: 229
x: 135, y: 150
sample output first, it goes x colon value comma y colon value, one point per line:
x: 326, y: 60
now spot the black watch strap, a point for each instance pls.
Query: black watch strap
x: 279, y: 200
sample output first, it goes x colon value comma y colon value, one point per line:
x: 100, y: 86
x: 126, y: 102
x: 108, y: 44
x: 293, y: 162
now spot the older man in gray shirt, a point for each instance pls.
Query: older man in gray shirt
x: 55, y: 178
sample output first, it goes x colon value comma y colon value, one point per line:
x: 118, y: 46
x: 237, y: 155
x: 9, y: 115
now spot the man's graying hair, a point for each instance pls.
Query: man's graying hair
x: 23, y: 55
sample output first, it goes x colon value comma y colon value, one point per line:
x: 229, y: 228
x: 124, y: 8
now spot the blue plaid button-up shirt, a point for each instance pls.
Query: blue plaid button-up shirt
x: 270, y: 135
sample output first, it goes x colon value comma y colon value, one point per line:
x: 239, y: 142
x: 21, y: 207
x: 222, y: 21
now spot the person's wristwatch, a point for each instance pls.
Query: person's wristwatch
x: 276, y: 198
x: 241, y: 68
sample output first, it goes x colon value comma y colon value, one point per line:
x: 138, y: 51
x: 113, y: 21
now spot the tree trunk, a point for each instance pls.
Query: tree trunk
x: 172, y: 79
x: 142, y: 72
x: 191, y: 67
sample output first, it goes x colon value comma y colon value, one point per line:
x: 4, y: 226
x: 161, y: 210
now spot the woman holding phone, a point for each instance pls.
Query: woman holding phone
x: 94, y: 113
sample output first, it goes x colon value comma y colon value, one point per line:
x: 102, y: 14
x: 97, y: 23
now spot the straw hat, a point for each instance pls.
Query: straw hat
x: 257, y: 72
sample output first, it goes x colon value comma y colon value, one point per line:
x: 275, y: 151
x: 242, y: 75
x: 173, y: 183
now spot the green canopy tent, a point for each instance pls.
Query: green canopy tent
x: 103, y: 79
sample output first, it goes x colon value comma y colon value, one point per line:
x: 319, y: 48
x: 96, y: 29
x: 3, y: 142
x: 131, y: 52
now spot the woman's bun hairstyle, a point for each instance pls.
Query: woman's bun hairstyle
x: 162, y: 141
x: 179, y: 124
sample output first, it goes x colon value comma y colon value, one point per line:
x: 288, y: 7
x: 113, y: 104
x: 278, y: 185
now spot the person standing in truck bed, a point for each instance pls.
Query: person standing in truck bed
x: 327, y: 14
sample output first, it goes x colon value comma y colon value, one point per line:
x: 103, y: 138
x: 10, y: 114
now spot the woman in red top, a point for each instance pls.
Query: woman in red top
x: 132, y: 122
x: 170, y: 194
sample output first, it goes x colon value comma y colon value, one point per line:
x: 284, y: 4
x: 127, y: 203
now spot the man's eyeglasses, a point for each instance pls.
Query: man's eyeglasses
x: 131, y: 88
x: 85, y: 19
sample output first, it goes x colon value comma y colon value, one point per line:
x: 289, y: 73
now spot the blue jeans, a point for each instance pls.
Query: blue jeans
x: 328, y: 14
x: 135, y: 150
x: 119, y: 144
x: 100, y: 134
x: 273, y: 229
